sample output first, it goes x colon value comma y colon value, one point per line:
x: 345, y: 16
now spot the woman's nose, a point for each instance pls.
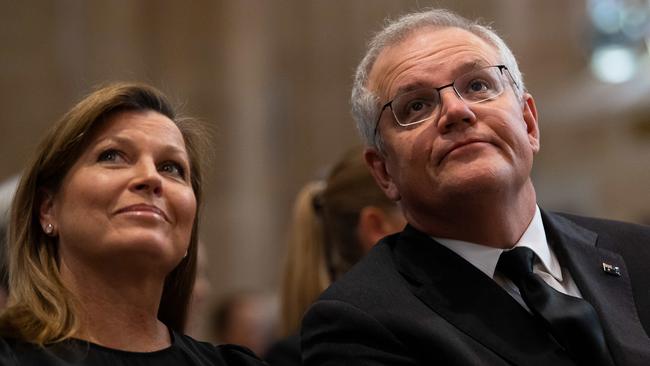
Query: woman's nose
x: 147, y: 179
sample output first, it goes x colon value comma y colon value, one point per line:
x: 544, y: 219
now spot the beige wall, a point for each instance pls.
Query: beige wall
x: 273, y: 78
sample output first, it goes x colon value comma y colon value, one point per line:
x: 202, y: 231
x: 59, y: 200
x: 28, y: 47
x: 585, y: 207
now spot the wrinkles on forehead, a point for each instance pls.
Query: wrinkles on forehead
x: 429, y: 57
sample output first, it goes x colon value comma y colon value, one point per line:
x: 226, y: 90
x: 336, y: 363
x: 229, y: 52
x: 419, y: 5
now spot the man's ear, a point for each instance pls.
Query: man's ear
x: 46, y: 214
x: 529, y: 111
x: 376, y: 162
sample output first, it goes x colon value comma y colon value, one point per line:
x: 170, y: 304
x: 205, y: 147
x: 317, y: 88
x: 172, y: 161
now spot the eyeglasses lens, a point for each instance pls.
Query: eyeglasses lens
x: 473, y: 87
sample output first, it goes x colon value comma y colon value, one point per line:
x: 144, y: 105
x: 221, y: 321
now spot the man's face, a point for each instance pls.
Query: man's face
x: 479, y: 148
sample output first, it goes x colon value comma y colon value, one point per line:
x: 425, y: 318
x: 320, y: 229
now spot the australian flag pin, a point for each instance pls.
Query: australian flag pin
x: 611, y: 270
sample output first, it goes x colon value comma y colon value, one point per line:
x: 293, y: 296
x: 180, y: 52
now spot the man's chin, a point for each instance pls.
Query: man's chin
x: 475, y: 179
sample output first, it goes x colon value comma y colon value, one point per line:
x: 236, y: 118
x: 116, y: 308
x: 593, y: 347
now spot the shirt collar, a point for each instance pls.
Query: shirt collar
x: 485, y: 258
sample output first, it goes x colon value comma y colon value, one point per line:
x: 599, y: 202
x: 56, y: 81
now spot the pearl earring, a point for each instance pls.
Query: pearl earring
x: 49, y: 229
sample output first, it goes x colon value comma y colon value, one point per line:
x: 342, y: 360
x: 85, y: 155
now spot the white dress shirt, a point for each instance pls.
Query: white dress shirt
x: 546, y: 264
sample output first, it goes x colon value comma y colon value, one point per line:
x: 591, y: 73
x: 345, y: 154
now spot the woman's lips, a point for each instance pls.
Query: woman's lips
x: 143, y: 208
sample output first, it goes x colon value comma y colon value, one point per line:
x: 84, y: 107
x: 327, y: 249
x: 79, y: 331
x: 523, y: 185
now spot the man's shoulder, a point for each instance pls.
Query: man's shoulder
x: 603, y: 226
x: 630, y: 240
x: 373, y: 279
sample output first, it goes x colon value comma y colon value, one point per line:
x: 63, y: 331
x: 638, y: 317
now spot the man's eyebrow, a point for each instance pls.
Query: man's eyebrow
x: 469, y: 66
x: 412, y: 86
x: 459, y: 70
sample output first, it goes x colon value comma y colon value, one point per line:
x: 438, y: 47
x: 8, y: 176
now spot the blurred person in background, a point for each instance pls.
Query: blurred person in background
x: 246, y: 318
x: 481, y: 275
x: 7, y: 191
x: 196, y: 313
x: 103, y: 239
x: 335, y: 222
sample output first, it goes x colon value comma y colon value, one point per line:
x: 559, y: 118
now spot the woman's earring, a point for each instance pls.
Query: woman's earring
x: 49, y: 229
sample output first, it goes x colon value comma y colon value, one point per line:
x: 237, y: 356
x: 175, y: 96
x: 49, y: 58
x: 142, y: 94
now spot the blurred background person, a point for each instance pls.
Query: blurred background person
x: 200, y: 294
x: 103, y: 239
x: 7, y: 191
x: 335, y: 222
x: 246, y: 318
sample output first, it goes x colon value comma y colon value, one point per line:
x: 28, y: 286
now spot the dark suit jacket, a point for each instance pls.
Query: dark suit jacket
x: 412, y: 301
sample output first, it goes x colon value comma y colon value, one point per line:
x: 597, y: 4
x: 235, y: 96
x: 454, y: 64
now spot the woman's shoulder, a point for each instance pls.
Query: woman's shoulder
x: 227, y: 354
x: 285, y: 352
x: 7, y: 355
x: 13, y: 352
x: 183, y: 349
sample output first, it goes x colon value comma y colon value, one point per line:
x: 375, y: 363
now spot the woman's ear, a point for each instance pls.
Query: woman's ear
x: 370, y: 227
x: 46, y: 214
x: 375, y: 223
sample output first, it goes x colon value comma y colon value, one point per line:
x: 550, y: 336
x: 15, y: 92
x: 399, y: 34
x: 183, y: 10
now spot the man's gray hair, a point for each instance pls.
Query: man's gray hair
x: 365, y: 104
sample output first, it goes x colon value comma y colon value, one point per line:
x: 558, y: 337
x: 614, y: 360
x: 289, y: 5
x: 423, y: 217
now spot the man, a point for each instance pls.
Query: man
x: 451, y: 135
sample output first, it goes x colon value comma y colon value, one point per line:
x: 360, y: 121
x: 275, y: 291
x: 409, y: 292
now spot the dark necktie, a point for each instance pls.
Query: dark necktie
x: 572, y: 321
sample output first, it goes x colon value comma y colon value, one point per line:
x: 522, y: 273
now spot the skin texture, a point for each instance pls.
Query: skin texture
x: 465, y: 175
x: 123, y: 216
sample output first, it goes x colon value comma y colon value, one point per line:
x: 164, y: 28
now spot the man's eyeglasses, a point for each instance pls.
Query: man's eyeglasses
x: 423, y: 104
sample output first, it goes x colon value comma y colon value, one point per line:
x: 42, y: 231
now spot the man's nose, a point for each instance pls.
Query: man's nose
x: 454, y: 111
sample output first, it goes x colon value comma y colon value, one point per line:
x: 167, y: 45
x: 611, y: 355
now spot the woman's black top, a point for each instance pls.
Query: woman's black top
x: 285, y: 352
x: 184, y: 351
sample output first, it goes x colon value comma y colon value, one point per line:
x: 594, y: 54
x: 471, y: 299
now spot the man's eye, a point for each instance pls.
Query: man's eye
x: 416, y: 106
x: 478, y: 86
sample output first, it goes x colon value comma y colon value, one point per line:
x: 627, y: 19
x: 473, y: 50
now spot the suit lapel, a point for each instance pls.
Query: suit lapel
x: 610, y: 294
x: 473, y: 302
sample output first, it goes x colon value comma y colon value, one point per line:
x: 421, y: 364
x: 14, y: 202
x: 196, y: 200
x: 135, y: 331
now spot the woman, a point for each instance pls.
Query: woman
x: 335, y: 223
x: 103, y: 239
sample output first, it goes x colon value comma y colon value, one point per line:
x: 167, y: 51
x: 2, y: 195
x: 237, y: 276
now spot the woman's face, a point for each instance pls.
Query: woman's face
x: 128, y: 200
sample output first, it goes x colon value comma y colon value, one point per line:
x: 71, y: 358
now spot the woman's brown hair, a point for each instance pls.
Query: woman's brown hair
x: 323, y: 241
x: 41, y: 310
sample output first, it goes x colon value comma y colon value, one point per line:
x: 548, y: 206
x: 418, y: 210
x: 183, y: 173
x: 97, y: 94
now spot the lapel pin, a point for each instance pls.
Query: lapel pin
x: 611, y: 270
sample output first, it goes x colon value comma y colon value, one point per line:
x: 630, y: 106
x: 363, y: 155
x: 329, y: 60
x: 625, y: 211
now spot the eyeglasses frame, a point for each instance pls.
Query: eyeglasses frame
x: 438, y: 89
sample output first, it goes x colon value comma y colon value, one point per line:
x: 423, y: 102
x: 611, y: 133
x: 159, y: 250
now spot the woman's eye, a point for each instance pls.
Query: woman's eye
x: 173, y: 169
x: 109, y: 155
